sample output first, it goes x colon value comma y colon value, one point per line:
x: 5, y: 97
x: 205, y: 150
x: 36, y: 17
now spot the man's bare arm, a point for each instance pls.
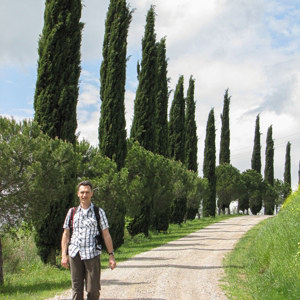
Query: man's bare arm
x: 64, y: 248
x: 109, y: 246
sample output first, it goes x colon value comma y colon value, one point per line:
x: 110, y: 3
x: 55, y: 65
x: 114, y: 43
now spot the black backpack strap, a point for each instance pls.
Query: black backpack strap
x: 96, y: 211
x: 71, y: 220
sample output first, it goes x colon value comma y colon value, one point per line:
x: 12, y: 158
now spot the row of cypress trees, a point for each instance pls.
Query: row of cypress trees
x: 56, y: 96
x: 176, y: 139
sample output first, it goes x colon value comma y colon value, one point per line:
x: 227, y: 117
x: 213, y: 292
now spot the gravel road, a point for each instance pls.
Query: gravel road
x: 188, y: 268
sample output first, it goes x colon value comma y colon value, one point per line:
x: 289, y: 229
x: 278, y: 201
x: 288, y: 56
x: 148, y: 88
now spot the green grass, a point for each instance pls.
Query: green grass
x: 26, y: 277
x: 265, y: 264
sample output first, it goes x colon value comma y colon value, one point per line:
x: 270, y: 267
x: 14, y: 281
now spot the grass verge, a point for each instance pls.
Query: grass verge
x: 26, y: 277
x: 268, y: 258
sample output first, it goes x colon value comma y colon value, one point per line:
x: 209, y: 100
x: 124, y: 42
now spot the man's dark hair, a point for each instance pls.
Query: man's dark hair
x: 85, y: 183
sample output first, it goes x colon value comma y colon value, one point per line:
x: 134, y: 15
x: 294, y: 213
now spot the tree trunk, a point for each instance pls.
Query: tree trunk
x: 51, y: 259
x: 1, y: 264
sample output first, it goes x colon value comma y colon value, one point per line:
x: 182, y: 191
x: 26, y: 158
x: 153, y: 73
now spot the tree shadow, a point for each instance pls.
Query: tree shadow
x: 148, y: 258
x: 131, y: 299
x: 120, y: 282
x: 35, y: 287
x: 189, y: 267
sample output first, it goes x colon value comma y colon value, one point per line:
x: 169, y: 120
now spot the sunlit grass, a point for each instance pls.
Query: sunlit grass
x: 268, y: 258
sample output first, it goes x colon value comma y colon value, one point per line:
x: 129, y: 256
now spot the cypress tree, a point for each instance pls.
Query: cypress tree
x: 269, y: 167
x: 256, y: 157
x: 112, y: 131
x: 56, y: 93
x: 209, y: 166
x: 176, y: 124
x: 143, y: 127
x: 287, y: 167
x: 162, y: 100
x: 269, y: 193
x: 287, y: 171
x: 191, y: 141
x: 225, y: 132
x: 55, y: 101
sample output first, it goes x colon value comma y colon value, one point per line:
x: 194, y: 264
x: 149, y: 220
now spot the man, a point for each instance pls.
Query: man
x: 84, y: 257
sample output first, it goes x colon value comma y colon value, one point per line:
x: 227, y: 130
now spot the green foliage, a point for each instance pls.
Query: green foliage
x: 85, y: 155
x: 110, y: 192
x: 162, y: 100
x: 282, y: 190
x: 112, y: 132
x: 253, y: 191
x: 196, y: 192
x: 256, y: 156
x: 178, y: 210
x: 143, y: 127
x: 55, y: 165
x: 209, y: 166
x: 265, y: 263
x: 159, y: 191
x: 18, y: 142
x: 19, y: 250
x: 228, y: 185
x: 287, y: 167
x: 162, y: 193
x: 179, y: 204
x: 269, y: 168
x: 56, y: 93
x: 270, y: 195
x: 177, y: 124
x: 26, y: 276
x: 225, y: 132
x: 139, y: 163
x: 191, y: 139
x: 37, y: 182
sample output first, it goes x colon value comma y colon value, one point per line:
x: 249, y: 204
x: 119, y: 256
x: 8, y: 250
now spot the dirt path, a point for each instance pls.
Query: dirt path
x: 188, y: 268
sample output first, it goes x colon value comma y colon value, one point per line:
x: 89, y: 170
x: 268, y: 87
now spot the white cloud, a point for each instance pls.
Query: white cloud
x: 89, y: 96
x: 20, y: 25
x: 88, y: 124
x: 251, y: 47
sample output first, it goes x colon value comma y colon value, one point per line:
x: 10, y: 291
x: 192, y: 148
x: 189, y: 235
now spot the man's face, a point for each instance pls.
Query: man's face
x: 85, y: 194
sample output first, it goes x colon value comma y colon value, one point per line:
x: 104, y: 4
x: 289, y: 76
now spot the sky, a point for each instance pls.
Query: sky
x: 251, y: 48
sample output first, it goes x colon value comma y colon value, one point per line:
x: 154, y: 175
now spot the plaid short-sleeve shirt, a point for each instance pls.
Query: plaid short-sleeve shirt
x: 84, y: 231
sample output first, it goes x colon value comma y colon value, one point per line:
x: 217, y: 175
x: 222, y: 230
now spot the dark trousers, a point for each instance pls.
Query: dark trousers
x: 88, y: 270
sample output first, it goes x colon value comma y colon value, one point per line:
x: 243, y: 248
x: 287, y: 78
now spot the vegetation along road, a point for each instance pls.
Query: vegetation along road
x: 188, y: 268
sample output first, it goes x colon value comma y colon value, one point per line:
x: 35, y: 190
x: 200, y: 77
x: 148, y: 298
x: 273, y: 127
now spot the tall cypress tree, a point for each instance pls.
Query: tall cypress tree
x: 162, y: 100
x: 56, y: 97
x: 225, y: 132
x: 287, y: 166
x: 256, y: 156
x: 269, y: 192
x: 209, y: 166
x: 56, y: 93
x: 269, y: 167
x: 143, y: 126
x: 176, y: 124
x: 112, y: 132
x: 191, y: 139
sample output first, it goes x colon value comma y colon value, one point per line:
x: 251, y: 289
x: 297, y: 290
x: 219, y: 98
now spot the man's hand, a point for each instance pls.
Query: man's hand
x: 111, y: 262
x: 65, y: 261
